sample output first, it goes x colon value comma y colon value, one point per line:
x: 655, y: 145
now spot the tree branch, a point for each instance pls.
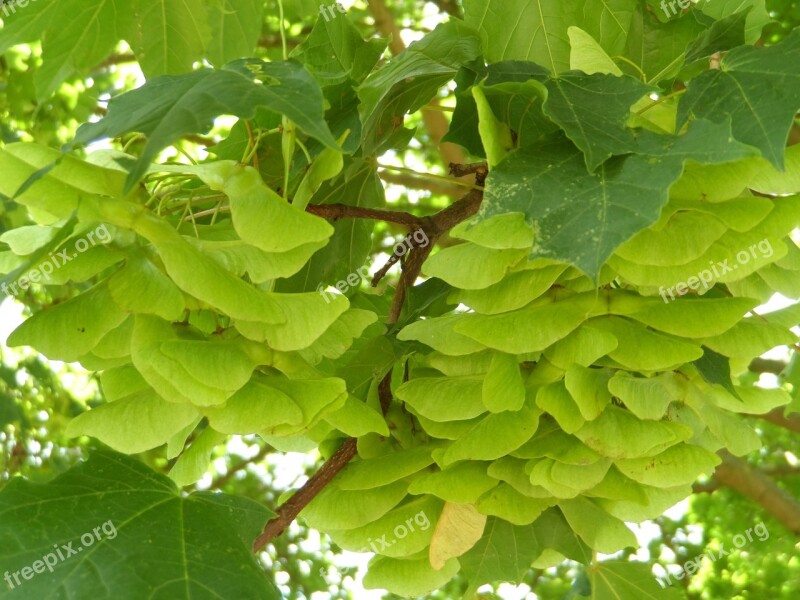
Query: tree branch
x: 751, y: 482
x: 289, y: 510
x: 776, y: 417
x: 344, y: 211
x: 765, y: 365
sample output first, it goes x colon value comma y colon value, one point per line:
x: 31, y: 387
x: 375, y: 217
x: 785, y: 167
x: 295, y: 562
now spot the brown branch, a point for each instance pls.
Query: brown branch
x: 776, y: 417
x: 751, y: 482
x: 765, y: 365
x: 115, y: 59
x: 288, y: 511
x: 343, y: 211
x: 450, y: 7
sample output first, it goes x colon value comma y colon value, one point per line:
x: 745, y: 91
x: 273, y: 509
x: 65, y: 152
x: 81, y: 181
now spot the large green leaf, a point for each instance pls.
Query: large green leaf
x: 125, y: 531
x: 413, y: 78
x: 572, y: 102
x: 176, y: 34
x: 235, y: 27
x: 550, y: 185
x: 523, y: 30
x: 627, y: 580
x: 758, y: 88
x: 334, y: 52
x: 180, y: 105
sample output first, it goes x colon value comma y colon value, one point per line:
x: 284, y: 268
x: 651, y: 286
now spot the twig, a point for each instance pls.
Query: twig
x: 289, y: 510
x: 343, y: 211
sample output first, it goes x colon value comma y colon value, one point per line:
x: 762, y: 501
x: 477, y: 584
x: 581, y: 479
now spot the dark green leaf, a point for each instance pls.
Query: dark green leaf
x: 759, y: 88
x: 147, y: 540
x: 169, y: 107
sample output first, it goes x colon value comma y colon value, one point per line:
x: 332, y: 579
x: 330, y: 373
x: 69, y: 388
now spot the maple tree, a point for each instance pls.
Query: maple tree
x: 560, y: 338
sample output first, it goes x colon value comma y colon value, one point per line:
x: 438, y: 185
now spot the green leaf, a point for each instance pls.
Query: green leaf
x: 179, y: 105
x: 716, y: 369
x: 429, y: 63
x: 85, y: 35
x: 755, y: 11
x: 617, y: 579
x: 603, y: 209
x: 657, y: 49
x: 334, y: 52
x: 572, y: 103
x: 522, y: 30
x: 609, y: 22
x: 505, y: 552
x: 757, y: 88
x: 235, y: 28
x: 176, y: 35
x: 149, y: 536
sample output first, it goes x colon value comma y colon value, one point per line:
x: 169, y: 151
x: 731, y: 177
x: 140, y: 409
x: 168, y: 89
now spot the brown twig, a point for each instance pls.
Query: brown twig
x: 753, y: 483
x: 289, y: 510
x: 343, y: 211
